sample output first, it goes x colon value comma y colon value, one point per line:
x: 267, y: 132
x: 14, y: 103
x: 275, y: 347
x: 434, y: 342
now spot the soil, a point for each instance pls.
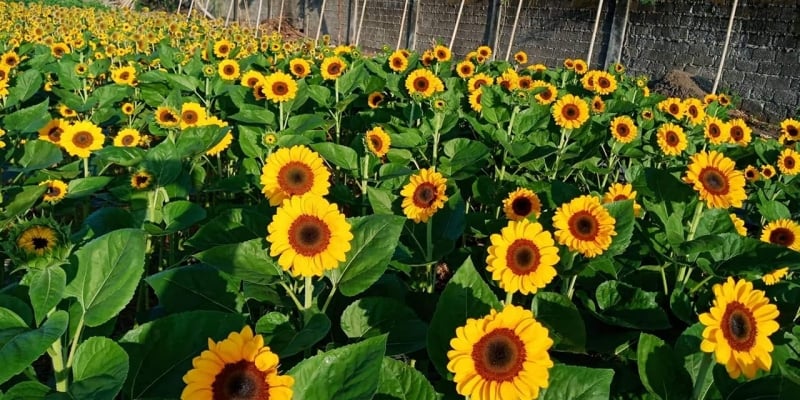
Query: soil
x: 288, y: 30
x: 677, y: 83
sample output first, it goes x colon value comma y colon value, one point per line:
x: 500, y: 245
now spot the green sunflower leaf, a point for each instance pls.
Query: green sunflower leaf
x: 29, y: 119
x: 372, y: 316
x: 46, y: 290
x: 578, y: 383
x: 248, y: 261
x: 400, y: 381
x: 661, y: 371
x: 20, y: 347
x: 100, y: 369
x: 351, y: 372
x: 560, y: 316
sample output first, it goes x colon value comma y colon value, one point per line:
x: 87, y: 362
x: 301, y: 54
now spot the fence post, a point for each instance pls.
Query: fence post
x: 725, y: 47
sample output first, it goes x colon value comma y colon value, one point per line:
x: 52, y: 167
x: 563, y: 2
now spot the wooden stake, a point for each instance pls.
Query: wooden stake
x: 513, y: 30
x: 594, y: 33
x: 402, y: 25
x: 455, y: 28
x: 725, y: 47
x: 361, y: 21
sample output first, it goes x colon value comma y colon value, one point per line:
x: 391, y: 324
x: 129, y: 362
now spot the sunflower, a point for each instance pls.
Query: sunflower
x: 53, y: 131
x: 775, y: 276
x: 141, y: 180
x: 537, y: 68
x: 584, y: 225
x: 167, y: 117
x: 37, y: 240
x: 621, y: 192
x: 671, y: 139
x: 66, y: 112
x: 127, y: 137
x: 723, y: 99
x: 293, y: 172
x: 222, y: 48
x: 424, y: 83
x: 525, y: 82
x: 783, y: 232
x: 377, y: 141
x: 82, y: 138
x: 580, y: 66
x: 269, y: 139
x: 588, y: 80
x: 124, y: 75
x: 570, y: 112
x: 442, y: 53
x: 220, y: 146
x: 128, y: 108
x: 332, y: 68
x: 619, y: 68
x: 81, y: 69
x: 424, y: 195
x: 522, y: 256
x: 59, y: 49
x: 789, y: 162
x: 521, y: 57
x: 501, y: 356
x: 475, y: 100
x: 624, y: 129
x: 191, y: 114
x: 695, y: 111
x: 56, y: 190
x: 397, y: 61
x: 465, y: 69
x: 672, y: 106
x: 280, y: 87
x: 548, y: 95
x: 598, y: 105
x: 767, y: 171
x: 751, y: 173
x: 738, y: 224
x: 716, y: 179
x: 427, y: 58
x: 508, y: 80
x: 478, y: 81
x: 228, y: 70
x: 604, y: 83
x: 299, y: 67
x: 790, y: 129
x: 647, y: 114
x: 251, y: 78
x: 522, y: 203
x: 239, y: 367
x: 709, y: 98
x: 309, y: 234
x: 484, y: 51
x: 737, y: 328
x: 741, y: 134
x: 716, y: 131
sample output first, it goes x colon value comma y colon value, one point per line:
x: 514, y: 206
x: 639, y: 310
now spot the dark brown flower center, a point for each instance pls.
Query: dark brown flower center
x: 228, y: 70
x: 127, y: 140
x: 782, y: 237
x: 750, y: 174
x: 54, y: 134
x: 441, y: 54
x: 789, y: 162
x: 522, y: 257
x: 125, y: 75
x: 620, y: 197
x: 334, y: 69
x: 604, y: 83
x: 142, y: 180
x: 546, y: 95
x: 82, y: 139
x: 309, y: 235
x: 739, y: 327
x: 674, y: 109
x: 52, y: 191
x: 167, y: 116
x: 714, y: 131
x: 280, y: 88
x: 466, y: 70
x: 623, y: 130
x: 421, y: 84
x: 714, y: 181
x: 40, y: 243
x: 478, y: 83
x: 425, y: 195
x: 397, y: 62
x: 240, y: 381
x: 792, y: 131
x: 584, y: 226
x: 737, y: 133
x: 376, y: 142
x: 224, y: 49
x: 499, y: 355
x: 522, y: 206
x: 570, y: 111
x: 692, y: 110
x: 299, y: 69
x: 672, y: 138
x: 190, y: 117
x: 295, y: 178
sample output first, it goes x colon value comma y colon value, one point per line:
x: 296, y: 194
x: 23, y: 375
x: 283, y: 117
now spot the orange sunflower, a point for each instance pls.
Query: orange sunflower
x: 716, y: 179
x: 584, y: 226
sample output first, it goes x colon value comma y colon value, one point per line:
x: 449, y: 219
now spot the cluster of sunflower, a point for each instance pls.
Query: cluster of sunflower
x: 154, y: 108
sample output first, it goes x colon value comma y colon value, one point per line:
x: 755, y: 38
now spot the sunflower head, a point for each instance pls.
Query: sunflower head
x: 38, y: 238
x: 583, y: 225
x: 167, y: 117
x: 740, y: 133
x: 375, y: 99
x: 292, y: 172
x: 716, y: 131
x: 623, y: 129
x: 398, y: 61
x: 332, y: 68
x: 570, y: 112
x: 238, y: 367
x: 56, y: 190
x: 522, y: 203
x: 228, y: 70
x: 81, y: 138
x: 671, y: 139
x: 604, y: 83
x: 737, y: 328
x: 465, y: 69
x: 522, y: 257
x: 424, y: 195
x: 782, y: 232
x: 424, y: 83
x: 191, y: 114
x: 775, y: 276
x: 378, y: 141
x: 767, y: 171
x: 503, y: 355
x: 521, y: 57
x: 53, y: 131
x: 789, y: 162
x: 299, y: 67
x: 442, y: 53
x: 695, y: 110
x: 716, y: 179
x: 790, y: 130
x: 622, y: 192
x: 475, y: 100
x: 141, y: 180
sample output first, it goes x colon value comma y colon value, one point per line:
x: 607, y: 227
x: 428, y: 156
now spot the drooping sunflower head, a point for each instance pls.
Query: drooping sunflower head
x: 191, y: 114
x: 789, y: 162
x: 167, y: 117
x: 299, y: 67
x: 583, y: 225
x: 672, y: 106
x: 624, y: 129
x: 522, y: 257
x: 53, y: 131
x: 475, y: 100
x: 740, y: 133
x: 228, y: 70
x: 522, y: 203
x: 671, y: 139
x: 716, y: 131
x: 422, y: 82
x: 598, y: 105
x: 790, y: 130
x: 424, y: 195
x: 238, y: 367
x: 56, y: 190
x: 622, y: 192
x: 570, y: 112
x: 309, y: 235
x: 465, y: 69
x: 332, y: 68
x: 503, y: 355
x: 251, y: 78
x: 280, y: 87
x: 127, y: 137
x: 292, y: 172
x: 82, y: 138
x: 716, y: 179
x: 737, y: 328
x: 378, y: 141
x: 775, y: 276
x: 141, y: 180
x: 695, y: 110
x: 546, y: 96
x: 738, y: 224
x: 782, y: 232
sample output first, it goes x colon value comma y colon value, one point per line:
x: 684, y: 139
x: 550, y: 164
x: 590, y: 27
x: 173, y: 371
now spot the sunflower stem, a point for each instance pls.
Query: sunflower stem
x: 290, y: 292
x: 429, y: 240
x: 56, y: 353
x: 75, y: 339
x: 685, y: 270
x: 705, y: 364
x: 571, y: 288
x: 328, y: 300
x: 664, y: 278
x: 309, y: 292
x: 561, y: 146
x: 509, y: 298
x: 364, y: 176
x: 86, y: 167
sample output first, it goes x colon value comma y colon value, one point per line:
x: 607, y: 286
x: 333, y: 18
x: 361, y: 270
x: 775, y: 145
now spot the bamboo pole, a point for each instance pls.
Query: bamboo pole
x: 230, y: 11
x: 455, y: 28
x: 280, y: 16
x: 180, y: 3
x: 402, y: 25
x: 624, y: 30
x: 189, y: 14
x: 513, y: 30
x: 361, y: 21
x: 725, y: 47
x: 594, y: 33
x: 497, y: 29
x: 258, y: 18
x: 319, y: 26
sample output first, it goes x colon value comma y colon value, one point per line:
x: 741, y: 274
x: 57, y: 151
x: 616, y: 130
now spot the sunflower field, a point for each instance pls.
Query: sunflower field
x: 196, y: 211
